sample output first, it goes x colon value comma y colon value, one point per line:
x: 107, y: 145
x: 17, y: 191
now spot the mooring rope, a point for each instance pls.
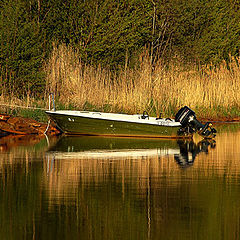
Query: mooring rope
x: 18, y: 106
x: 47, y: 126
x: 46, y: 139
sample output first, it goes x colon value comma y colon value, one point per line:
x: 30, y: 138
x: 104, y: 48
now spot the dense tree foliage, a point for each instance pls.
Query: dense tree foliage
x: 112, y: 33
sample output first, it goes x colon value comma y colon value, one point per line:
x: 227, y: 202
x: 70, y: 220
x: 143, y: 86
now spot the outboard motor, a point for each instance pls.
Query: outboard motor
x: 188, y: 119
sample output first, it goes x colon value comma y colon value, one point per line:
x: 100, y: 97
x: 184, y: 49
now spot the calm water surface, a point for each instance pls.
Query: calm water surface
x: 104, y: 188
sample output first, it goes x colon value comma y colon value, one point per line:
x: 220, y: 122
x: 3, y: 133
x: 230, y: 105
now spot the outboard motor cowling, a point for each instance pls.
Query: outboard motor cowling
x: 188, y: 119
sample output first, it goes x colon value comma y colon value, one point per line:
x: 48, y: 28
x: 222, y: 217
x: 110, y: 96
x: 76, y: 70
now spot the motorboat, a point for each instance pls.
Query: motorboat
x: 184, y: 125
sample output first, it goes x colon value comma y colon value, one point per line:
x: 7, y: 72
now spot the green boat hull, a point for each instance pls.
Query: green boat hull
x: 77, y: 125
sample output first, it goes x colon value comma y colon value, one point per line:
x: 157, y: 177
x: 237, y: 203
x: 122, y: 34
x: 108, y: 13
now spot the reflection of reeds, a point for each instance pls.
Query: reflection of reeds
x: 20, y: 150
x: 114, y: 192
x: 63, y: 173
x: 163, y: 89
x: 167, y: 189
x: 67, y: 174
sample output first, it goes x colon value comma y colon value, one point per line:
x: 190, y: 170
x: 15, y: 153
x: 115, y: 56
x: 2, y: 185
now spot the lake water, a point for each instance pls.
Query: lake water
x: 106, y: 188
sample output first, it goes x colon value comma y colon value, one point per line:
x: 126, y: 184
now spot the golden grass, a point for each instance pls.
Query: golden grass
x: 210, y: 92
x: 134, y: 90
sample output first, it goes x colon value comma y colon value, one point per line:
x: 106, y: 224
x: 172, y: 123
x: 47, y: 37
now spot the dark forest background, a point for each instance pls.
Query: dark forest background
x: 112, y: 33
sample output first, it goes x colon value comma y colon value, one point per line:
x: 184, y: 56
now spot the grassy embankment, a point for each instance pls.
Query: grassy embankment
x: 212, y: 94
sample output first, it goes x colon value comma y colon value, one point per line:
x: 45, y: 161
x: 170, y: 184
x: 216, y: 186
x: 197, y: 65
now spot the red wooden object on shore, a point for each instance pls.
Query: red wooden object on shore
x: 24, y: 126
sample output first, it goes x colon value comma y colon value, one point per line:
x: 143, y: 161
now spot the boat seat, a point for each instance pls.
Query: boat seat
x: 160, y: 116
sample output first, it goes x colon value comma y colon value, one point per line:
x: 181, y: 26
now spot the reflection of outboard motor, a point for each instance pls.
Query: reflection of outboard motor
x: 189, y: 150
x: 188, y: 120
x: 187, y: 153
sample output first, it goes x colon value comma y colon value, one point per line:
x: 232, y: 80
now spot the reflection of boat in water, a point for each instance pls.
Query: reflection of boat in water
x: 97, y: 147
x: 189, y: 150
x: 184, y: 151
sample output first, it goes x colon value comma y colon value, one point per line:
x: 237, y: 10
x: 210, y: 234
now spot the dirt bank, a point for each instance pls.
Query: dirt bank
x: 220, y: 119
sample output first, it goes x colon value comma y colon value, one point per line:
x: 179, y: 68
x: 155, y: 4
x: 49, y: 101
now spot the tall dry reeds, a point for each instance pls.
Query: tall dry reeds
x: 162, y: 89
